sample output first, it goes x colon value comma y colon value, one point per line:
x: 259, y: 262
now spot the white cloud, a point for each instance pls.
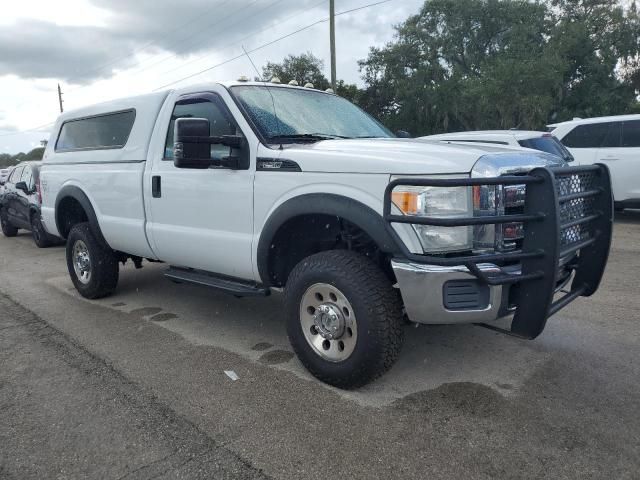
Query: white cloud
x: 102, y: 49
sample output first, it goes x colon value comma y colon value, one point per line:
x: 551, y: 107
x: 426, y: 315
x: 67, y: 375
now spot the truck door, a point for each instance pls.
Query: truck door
x: 201, y: 219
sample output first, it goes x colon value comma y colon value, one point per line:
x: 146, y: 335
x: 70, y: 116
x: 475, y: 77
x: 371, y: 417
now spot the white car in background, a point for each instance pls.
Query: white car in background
x: 542, y: 141
x: 614, y: 141
x: 4, y: 175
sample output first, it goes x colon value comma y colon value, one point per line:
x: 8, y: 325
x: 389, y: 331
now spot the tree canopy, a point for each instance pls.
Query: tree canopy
x: 306, y: 68
x: 474, y: 64
x: 7, y: 160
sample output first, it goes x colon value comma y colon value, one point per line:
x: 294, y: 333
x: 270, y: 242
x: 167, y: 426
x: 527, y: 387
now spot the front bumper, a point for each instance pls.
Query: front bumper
x: 568, y: 220
x: 424, y: 290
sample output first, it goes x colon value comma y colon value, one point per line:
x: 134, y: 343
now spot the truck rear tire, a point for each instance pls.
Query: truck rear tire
x: 92, y: 266
x: 344, y: 319
x: 7, y: 229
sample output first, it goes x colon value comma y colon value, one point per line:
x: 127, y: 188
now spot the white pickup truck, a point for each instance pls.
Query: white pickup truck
x: 253, y: 187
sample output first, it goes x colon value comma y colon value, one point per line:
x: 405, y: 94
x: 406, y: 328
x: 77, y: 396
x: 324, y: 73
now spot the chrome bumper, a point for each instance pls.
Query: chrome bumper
x: 422, y: 288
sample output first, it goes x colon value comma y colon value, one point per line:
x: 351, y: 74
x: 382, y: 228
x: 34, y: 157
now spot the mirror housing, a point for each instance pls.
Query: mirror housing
x: 22, y: 186
x: 192, y: 145
x: 403, y: 134
x: 186, y: 153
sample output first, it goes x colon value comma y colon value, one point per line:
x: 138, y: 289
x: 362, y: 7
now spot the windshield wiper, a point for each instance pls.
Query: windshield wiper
x: 313, y: 137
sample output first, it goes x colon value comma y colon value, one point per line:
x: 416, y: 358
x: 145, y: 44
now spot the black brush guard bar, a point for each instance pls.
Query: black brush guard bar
x: 547, y: 196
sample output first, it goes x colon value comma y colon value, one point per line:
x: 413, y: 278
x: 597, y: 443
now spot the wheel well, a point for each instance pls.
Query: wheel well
x: 307, y: 234
x: 69, y: 212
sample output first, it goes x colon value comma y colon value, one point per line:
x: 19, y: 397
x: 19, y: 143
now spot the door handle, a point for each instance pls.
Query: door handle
x: 156, y: 186
x: 609, y: 159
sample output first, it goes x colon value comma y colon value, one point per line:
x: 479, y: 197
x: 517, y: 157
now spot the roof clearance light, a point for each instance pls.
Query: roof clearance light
x: 275, y: 80
x: 293, y: 83
x: 243, y: 78
x: 309, y: 85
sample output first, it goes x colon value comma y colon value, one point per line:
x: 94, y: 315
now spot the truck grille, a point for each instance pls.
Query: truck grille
x: 509, y: 236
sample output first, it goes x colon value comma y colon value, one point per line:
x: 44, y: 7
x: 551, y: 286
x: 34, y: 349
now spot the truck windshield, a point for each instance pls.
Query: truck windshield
x: 295, y: 115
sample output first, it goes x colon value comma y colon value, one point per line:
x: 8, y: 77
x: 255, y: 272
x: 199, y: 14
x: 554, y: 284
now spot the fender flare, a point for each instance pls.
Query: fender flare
x: 355, y: 212
x: 71, y: 191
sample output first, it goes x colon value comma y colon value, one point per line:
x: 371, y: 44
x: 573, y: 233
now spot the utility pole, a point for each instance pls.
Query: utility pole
x: 332, y: 35
x: 60, y: 98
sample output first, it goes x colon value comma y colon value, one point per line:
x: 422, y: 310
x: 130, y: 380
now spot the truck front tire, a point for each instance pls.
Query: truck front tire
x: 92, y: 266
x: 344, y: 319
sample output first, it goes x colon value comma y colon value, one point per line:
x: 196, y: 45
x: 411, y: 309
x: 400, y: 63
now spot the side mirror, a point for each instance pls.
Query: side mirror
x: 403, y: 134
x: 188, y: 153
x: 22, y: 186
x: 192, y: 146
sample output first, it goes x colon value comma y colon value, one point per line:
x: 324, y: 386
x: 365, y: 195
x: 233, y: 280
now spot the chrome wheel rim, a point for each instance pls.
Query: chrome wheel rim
x: 82, y: 262
x: 328, y: 322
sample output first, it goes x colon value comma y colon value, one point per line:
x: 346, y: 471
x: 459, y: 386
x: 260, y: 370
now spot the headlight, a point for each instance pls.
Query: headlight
x: 438, y: 202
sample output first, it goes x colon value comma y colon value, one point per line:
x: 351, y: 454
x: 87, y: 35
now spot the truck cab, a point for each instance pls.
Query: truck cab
x: 253, y: 188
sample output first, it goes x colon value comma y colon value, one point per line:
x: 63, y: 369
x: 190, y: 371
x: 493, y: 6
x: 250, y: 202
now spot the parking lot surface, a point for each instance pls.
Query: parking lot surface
x: 134, y: 386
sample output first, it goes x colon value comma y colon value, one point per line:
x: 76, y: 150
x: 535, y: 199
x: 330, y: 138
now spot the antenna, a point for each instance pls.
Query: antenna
x: 264, y: 82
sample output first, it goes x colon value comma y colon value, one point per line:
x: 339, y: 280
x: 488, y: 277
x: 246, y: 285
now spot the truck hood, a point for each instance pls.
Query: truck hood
x: 395, y: 156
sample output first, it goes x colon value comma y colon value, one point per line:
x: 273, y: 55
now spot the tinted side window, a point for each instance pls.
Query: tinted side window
x: 594, y: 135
x: 631, y: 134
x: 548, y: 144
x: 219, y: 123
x: 613, y: 138
x: 104, y: 131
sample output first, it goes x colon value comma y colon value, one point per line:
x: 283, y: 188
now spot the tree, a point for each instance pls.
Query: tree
x: 307, y: 68
x: 7, y: 160
x: 598, y: 43
x: 472, y: 64
x: 303, y: 68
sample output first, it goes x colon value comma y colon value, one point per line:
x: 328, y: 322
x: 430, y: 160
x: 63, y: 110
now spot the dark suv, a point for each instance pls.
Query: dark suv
x: 20, y: 204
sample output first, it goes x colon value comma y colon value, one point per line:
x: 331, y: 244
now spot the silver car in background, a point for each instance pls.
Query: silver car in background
x: 542, y: 141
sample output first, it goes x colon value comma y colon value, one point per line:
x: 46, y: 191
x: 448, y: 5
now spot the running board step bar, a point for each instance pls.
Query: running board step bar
x: 225, y: 284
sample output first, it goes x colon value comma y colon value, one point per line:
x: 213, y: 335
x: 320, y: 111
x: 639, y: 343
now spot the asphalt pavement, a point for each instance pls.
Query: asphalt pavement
x: 134, y: 386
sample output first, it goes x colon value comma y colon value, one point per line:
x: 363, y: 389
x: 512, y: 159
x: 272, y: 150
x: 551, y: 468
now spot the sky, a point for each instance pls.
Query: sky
x: 103, y: 49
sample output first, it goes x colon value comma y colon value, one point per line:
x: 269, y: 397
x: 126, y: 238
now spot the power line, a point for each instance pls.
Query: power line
x: 271, y: 43
x: 143, y: 47
x: 228, y: 26
x: 252, y: 34
x: 260, y: 47
x: 192, y: 35
x: 34, y: 129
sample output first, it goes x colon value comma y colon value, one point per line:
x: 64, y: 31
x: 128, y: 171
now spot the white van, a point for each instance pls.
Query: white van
x: 614, y: 141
